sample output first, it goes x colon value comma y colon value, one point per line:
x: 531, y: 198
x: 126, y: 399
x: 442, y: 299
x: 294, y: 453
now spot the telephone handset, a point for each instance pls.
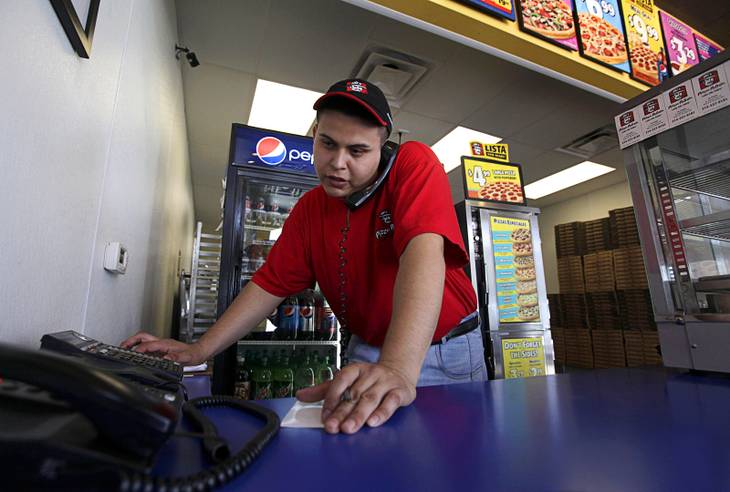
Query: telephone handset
x: 388, y: 153
x: 135, y: 421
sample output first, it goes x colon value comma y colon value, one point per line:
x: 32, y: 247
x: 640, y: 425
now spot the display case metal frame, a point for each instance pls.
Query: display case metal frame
x: 690, y: 337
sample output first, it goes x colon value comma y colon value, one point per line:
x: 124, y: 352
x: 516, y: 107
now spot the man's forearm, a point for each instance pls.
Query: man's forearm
x: 417, y: 297
x: 249, y: 308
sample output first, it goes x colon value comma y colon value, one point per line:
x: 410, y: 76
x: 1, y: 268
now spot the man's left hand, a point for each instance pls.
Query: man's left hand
x: 375, y: 392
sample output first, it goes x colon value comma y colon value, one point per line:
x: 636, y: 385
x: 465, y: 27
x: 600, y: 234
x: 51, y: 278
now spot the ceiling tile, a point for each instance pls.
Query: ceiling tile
x: 420, y: 128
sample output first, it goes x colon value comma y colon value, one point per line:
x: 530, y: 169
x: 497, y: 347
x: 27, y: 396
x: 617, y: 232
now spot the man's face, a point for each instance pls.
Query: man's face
x: 346, y: 153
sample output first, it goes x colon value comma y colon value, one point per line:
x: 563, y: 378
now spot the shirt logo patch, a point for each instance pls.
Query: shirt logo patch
x: 387, y: 219
x: 356, y: 86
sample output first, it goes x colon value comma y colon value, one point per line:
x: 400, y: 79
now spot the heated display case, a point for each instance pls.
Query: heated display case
x: 680, y: 184
x: 506, y: 269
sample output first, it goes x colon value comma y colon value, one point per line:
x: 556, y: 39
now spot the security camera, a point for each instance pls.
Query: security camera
x: 190, y: 55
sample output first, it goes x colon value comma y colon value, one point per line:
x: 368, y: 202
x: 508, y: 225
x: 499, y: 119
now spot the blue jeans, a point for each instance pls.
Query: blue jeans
x: 459, y: 360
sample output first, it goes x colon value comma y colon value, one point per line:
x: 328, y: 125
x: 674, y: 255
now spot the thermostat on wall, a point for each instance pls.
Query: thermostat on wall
x: 115, y: 258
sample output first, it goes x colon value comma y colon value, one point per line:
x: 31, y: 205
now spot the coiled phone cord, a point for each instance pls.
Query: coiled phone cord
x: 219, y: 474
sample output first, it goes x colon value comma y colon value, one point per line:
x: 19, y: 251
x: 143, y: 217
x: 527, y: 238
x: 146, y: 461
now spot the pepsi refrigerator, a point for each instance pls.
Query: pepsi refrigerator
x: 267, y: 173
x: 502, y: 237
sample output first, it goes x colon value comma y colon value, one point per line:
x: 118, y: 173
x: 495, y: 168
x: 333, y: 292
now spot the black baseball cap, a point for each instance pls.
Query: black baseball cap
x: 365, y: 93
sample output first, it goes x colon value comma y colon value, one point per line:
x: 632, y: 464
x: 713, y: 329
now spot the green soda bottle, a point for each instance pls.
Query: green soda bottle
x: 262, y: 381
x: 304, y: 377
x: 324, y: 371
x: 283, y: 386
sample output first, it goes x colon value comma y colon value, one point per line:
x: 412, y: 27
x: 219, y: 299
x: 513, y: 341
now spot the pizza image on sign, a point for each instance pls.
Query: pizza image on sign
x: 550, y: 20
x: 646, y: 48
x: 601, y: 40
x: 488, y: 180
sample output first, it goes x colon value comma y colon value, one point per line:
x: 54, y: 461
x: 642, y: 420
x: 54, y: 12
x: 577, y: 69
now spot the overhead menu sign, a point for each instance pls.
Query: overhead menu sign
x: 602, y: 37
x: 679, y: 41
x: 646, y: 50
x: 501, y: 8
x: 551, y: 20
x: 706, y: 48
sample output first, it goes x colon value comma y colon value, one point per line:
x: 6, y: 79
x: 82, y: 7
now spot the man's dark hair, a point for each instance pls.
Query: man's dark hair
x: 352, y: 109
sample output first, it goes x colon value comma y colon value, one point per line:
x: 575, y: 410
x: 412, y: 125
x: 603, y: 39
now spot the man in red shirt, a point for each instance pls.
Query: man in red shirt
x: 387, y: 255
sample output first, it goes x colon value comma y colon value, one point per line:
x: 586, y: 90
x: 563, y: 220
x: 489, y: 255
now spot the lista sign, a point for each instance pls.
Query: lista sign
x: 272, y: 150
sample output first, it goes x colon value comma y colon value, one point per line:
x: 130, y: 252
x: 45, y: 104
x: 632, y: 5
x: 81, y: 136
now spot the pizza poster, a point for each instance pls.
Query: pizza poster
x: 551, y: 20
x: 501, y: 8
x: 523, y: 357
x: 514, y: 267
x: 601, y: 33
x: 646, y: 49
x: 492, y: 181
x: 706, y: 48
x: 679, y: 42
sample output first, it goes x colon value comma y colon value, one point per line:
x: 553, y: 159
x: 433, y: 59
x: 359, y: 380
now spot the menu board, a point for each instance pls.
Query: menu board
x: 514, y: 264
x: 502, y: 8
x: 679, y: 41
x: 523, y: 357
x: 492, y: 181
x: 646, y: 50
x: 551, y: 20
x: 601, y: 33
x: 706, y: 49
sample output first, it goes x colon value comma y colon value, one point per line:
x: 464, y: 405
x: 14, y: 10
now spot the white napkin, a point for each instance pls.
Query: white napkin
x: 199, y: 367
x: 304, y: 415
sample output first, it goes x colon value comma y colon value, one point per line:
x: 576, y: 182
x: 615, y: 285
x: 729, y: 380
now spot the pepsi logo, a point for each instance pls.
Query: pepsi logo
x: 271, y: 151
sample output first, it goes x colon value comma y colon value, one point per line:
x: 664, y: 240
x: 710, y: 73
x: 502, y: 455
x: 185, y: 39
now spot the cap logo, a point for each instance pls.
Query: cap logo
x: 356, y: 86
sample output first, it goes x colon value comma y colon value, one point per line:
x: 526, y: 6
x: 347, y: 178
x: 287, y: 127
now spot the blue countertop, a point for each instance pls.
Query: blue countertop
x: 602, y: 430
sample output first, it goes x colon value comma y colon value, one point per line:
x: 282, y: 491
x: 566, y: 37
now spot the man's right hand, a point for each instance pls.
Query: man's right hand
x: 145, y: 343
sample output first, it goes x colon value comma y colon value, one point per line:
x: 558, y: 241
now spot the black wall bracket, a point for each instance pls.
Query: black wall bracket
x: 79, y: 37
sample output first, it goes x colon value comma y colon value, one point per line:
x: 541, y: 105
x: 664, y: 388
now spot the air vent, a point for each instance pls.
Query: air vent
x: 395, y: 73
x: 594, y: 143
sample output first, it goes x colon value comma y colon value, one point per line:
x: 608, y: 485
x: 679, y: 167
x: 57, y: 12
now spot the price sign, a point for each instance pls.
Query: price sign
x: 602, y: 36
x: 706, y: 49
x: 680, y: 43
x: 488, y: 180
x: 501, y: 8
x: 646, y: 48
x: 523, y: 357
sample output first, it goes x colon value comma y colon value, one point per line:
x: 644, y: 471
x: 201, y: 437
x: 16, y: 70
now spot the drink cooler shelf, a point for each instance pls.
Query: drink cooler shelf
x: 321, y: 343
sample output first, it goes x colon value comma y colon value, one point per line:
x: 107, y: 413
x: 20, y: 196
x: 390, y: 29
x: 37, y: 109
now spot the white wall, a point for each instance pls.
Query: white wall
x: 590, y: 206
x: 91, y: 151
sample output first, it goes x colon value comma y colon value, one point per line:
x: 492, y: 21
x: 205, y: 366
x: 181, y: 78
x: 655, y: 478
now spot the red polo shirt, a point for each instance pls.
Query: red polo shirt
x: 415, y: 199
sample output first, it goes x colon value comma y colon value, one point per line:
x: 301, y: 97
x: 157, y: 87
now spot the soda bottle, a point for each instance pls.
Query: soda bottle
x: 304, y: 376
x: 328, y: 323
x: 247, y: 218
x: 325, y: 371
x: 306, y: 316
x: 288, y: 318
x: 274, y: 216
x: 259, y: 212
x: 262, y: 381
x: 283, y: 386
x: 258, y: 259
x: 243, y: 380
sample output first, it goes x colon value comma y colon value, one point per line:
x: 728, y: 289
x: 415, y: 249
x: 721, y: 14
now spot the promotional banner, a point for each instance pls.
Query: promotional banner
x: 706, y: 49
x: 679, y: 42
x: 514, y: 264
x: 272, y: 150
x: 498, y: 151
x: 502, y: 8
x: 602, y: 37
x: 523, y: 357
x: 646, y: 50
x: 492, y: 181
x: 551, y: 20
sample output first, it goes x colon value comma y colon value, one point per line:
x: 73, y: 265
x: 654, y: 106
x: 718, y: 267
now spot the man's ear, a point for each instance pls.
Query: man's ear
x: 314, y: 130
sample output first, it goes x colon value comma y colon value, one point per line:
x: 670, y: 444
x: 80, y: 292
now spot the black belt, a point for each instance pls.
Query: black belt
x: 462, y: 329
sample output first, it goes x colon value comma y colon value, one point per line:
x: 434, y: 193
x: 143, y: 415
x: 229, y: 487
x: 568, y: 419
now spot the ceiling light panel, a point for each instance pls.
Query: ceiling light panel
x: 456, y: 144
x: 566, y: 178
x: 282, y: 107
